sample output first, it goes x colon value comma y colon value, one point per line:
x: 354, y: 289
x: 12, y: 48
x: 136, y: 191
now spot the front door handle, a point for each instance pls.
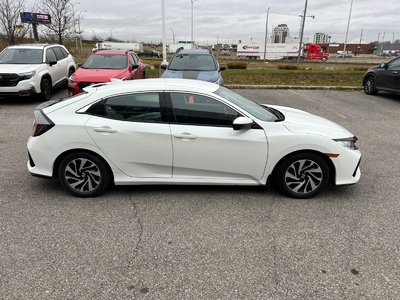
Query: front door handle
x: 185, y: 136
x: 395, y: 72
x: 105, y: 129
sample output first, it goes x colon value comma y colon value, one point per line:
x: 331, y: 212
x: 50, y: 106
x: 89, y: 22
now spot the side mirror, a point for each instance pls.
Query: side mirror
x: 163, y: 67
x: 384, y: 65
x: 133, y: 67
x: 222, y: 68
x: 242, y: 123
x: 52, y: 63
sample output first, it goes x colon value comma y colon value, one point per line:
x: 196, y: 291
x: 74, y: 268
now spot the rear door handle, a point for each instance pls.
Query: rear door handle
x: 105, y: 129
x: 395, y: 72
x: 185, y: 136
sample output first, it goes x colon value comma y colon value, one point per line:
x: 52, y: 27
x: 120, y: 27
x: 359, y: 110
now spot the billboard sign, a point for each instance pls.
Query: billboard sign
x: 35, y: 18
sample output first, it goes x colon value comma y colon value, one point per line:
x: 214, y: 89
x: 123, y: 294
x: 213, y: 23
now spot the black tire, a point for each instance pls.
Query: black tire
x: 83, y: 174
x: 144, y: 75
x: 302, y: 175
x: 324, y: 59
x: 370, y: 86
x: 70, y: 72
x: 45, y: 89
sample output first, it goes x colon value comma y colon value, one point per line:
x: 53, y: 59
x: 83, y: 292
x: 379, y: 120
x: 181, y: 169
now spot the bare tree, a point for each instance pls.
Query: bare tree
x: 62, y: 17
x: 9, y: 19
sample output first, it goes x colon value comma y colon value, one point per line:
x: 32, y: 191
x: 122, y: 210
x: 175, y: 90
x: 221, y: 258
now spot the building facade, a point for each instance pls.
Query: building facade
x: 321, y: 38
x: 281, y: 34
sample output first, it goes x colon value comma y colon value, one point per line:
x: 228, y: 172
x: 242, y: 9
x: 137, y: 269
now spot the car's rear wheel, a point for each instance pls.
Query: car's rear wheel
x: 302, y: 175
x: 45, y: 88
x: 324, y: 59
x: 84, y: 174
x: 144, y: 75
x: 370, y: 86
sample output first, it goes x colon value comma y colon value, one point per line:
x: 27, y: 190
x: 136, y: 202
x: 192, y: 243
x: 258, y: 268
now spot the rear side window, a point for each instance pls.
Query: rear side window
x: 58, y: 53
x: 64, y: 52
x: 144, y: 107
x: 50, y: 56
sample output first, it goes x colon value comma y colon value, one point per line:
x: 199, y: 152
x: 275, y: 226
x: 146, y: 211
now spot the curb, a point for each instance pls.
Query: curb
x: 294, y: 87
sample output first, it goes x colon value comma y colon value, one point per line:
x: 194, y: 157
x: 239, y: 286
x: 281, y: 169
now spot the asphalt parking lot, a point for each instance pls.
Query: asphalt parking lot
x: 163, y: 242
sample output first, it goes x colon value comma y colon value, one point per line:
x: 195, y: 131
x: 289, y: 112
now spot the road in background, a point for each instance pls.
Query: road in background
x: 195, y: 242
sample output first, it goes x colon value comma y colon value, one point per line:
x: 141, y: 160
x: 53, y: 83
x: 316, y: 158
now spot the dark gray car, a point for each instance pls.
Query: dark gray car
x: 385, y: 77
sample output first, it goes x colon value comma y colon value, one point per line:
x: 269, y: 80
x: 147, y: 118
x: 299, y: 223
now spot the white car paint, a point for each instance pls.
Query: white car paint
x: 163, y: 153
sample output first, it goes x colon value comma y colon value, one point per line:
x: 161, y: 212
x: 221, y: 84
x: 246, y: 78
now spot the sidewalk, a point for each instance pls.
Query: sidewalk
x: 294, y: 87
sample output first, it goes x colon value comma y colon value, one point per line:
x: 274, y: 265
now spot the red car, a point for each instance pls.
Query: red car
x: 102, y: 66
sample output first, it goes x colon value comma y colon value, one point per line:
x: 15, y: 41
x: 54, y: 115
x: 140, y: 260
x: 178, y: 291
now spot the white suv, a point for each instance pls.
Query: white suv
x: 27, y: 70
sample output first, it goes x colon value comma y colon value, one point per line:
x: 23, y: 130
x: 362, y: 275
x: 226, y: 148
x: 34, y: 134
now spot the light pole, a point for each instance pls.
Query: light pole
x: 266, y: 34
x: 164, y: 34
x: 383, y: 40
x: 192, y: 32
x: 302, y: 31
x: 173, y: 35
x: 347, y: 31
x: 79, y: 30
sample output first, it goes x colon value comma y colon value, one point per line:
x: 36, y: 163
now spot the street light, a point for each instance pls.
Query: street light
x: 173, y: 35
x: 266, y: 34
x: 164, y: 34
x: 79, y: 30
x: 192, y: 35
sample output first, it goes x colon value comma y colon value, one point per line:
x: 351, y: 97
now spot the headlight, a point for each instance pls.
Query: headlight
x: 27, y: 75
x: 70, y: 79
x: 349, y: 143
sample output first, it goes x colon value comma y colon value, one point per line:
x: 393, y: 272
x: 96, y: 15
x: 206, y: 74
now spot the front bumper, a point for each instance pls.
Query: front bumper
x: 347, y: 166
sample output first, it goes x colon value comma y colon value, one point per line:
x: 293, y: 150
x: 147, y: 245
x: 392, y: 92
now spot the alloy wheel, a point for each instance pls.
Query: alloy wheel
x: 303, y: 176
x: 82, y: 175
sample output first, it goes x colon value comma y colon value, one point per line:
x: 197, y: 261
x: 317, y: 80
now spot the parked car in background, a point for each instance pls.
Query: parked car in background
x: 36, y: 69
x: 103, y: 66
x: 151, y: 53
x: 385, y: 77
x: 177, y: 131
x: 344, y: 54
x: 194, y: 64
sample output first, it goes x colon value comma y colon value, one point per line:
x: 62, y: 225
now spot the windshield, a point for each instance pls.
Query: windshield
x: 21, y: 56
x: 106, y: 61
x: 253, y: 108
x: 192, y: 62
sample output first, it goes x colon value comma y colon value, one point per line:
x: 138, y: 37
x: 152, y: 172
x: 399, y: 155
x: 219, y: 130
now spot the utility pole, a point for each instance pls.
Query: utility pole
x: 383, y: 40
x: 164, y: 34
x: 302, y: 31
x: 173, y: 35
x: 347, y: 31
x: 266, y: 34
x: 192, y: 34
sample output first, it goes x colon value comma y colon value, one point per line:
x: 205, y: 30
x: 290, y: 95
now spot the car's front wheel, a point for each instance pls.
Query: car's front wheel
x: 45, y: 88
x: 84, y: 174
x: 370, y: 86
x: 302, y: 175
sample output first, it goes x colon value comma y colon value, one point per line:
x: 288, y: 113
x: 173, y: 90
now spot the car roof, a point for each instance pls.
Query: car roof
x: 155, y: 84
x: 194, y: 51
x: 32, y: 46
x: 115, y: 52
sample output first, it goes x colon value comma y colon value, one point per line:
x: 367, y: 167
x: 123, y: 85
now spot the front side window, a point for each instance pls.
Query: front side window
x: 193, y: 62
x: 21, y: 56
x: 106, y: 61
x: 394, y: 63
x: 251, y: 107
x: 58, y: 53
x: 143, y: 107
x: 193, y: 109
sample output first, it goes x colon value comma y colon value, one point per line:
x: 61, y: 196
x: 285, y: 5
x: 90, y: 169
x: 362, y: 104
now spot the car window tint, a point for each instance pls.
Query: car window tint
x: 106, y: 61
x: 133, y: 59
x: 58, y: 53
x: 197, y: 62
x: 64, y: 52
x: 196, y: 109
x: 50, y: 56
x: 133, y: 107
x: 394, y: 64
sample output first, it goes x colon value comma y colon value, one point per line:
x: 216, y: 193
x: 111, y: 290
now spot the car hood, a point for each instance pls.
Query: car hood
x: 17, y: 68
x: 97, y: 75
x: 299, y: 121
x: 210, y: 76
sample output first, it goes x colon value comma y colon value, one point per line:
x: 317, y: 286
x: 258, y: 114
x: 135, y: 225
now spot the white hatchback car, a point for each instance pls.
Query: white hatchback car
x: 177, y: 131
x: 27, y: 70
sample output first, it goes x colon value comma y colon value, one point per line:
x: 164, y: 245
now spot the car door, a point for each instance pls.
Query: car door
x: 136, y: 73
x: 56, y: 70
x: 393, y: 74
x: 132, y: 132
x: 61, y: 61
x: 206, y: 146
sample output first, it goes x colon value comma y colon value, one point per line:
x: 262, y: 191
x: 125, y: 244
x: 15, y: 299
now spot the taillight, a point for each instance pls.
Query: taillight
x: 42, y: 123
